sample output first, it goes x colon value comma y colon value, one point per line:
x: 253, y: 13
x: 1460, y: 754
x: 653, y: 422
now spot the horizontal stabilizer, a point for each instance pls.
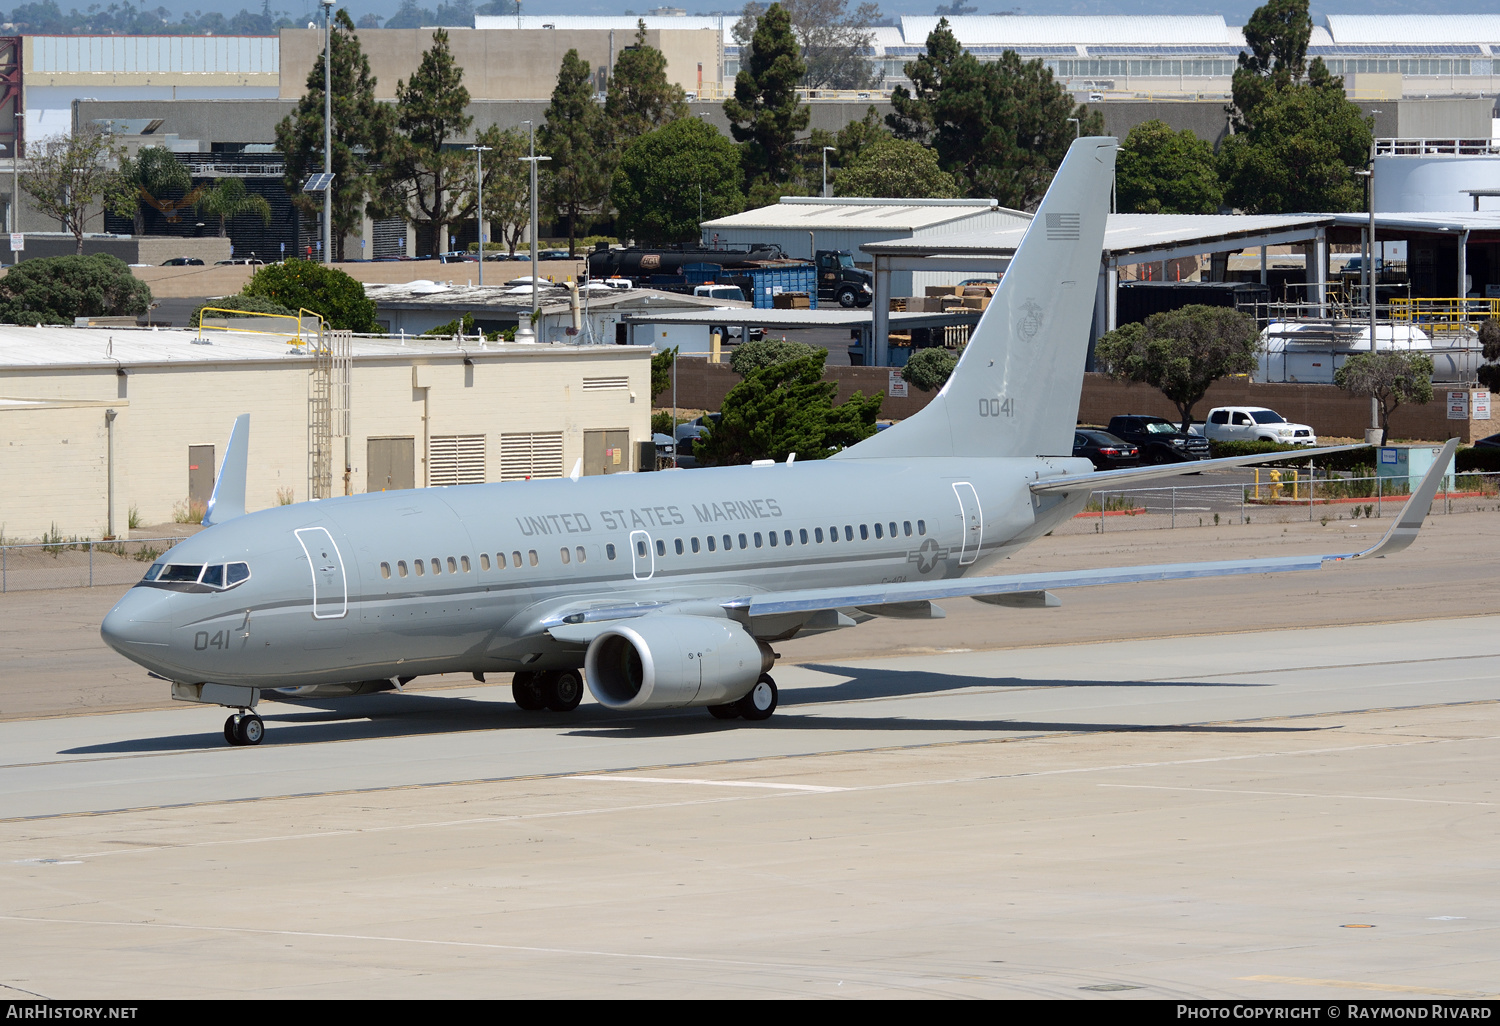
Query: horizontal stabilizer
x: 1131, y: 475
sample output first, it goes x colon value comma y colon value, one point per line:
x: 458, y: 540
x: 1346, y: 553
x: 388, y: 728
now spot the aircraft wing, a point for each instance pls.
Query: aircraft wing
x: 1030, y: 589
x: 1130, y: 475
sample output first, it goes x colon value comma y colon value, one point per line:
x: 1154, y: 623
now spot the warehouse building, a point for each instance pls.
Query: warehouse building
x: 95, y: 424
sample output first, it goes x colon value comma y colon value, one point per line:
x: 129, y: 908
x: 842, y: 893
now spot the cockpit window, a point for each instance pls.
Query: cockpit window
x: 180, y: 573
x: 197, y: 576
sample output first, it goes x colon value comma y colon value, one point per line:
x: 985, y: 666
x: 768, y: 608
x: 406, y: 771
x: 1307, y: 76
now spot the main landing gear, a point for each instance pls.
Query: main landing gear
x: 557, y: 690
x: 244, y: 728
x: 759, y: 704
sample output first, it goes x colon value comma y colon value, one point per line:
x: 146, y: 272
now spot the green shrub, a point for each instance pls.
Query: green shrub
x: 749, y: 357
x: 317, y: 287
x: 54, y: 290
x: 250, y: 305
x: 928, y: 369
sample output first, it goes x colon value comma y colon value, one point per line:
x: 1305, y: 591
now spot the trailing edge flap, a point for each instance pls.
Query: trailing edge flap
x: 228, y: 499
x: 1130, y: 475
x: 1402, y: 533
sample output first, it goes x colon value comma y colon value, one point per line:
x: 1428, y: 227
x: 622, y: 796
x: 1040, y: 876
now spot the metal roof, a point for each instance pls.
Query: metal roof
x: 426, y: 295
x: 1122, y: 233
x: 860, y: 214
x: 125, y: 348
x: 1413, y: 28
x: 836, y: 317
x: 564, y: 22
x: 1063, y: 30
x: 1136, y: 233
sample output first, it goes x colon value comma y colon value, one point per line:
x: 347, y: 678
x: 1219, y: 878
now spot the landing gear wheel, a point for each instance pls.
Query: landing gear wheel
x: 760, y: 703
x: 250, y: 729
x: 230, y: 733
x: 524, y: 690
x: 563, y: 690
x: 725, y: 712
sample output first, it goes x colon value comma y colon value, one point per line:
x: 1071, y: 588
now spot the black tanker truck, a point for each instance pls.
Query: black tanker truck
x: 682, y: 268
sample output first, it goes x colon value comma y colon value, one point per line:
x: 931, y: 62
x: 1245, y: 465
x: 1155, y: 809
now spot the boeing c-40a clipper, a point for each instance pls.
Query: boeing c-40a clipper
x: 667, y: 590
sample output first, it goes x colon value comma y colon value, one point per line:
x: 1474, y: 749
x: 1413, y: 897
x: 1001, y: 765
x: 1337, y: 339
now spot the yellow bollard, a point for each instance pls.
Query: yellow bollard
x: 713, y: 348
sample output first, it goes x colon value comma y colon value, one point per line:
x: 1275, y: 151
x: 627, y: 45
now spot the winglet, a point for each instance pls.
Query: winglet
x: 577, y: 470
x: 1409, y: 521
x: 228, y: 499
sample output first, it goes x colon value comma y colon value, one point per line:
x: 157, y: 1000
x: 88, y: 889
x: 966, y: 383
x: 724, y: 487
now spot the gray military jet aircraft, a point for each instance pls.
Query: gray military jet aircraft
x: 667, y: 590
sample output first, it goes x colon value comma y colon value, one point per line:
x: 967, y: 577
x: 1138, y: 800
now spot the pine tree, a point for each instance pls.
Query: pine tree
x: 765, y: 112
x: 361, y: 133
x: 577, y: 176
x: 671, y: 180
x: 1000, y: 128
x: 422, y: 179
x: 640, y: 98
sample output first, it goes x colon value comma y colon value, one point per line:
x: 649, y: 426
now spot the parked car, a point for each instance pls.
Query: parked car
x: 1104, y: 450
x: 1158, y: 439
x: 1254, y: 424
x: 1488, y: 442
x: 240, y: 261
x: 182, y: 262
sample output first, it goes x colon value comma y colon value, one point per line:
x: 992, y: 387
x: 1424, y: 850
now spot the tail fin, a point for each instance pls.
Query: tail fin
x: 228, y: 499
x: 1015, y: 391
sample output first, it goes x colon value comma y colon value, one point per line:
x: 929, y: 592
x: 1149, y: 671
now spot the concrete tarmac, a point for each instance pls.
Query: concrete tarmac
x: 1146, y: 806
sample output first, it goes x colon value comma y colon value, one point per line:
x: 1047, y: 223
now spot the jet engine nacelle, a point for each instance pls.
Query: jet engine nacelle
x: 669, y: 662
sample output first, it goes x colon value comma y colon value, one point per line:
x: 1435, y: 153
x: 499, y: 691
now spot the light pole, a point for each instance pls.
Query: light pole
x: 328, y: 129
x: 479, y: 197
x: 15, y: 170
x: 1370, y: 270
x: 827, y: 150
x: 1077, y: 127
x: 533, y: 161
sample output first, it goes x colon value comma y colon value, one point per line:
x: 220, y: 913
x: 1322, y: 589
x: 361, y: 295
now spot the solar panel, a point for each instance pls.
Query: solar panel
x: 320, y: 182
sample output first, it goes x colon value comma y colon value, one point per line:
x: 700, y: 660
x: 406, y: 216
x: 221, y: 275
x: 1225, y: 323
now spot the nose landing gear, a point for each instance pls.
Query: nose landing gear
x: 244, y: 728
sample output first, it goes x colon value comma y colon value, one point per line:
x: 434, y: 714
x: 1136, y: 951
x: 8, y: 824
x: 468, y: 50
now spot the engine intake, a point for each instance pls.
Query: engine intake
x: 672, y: 662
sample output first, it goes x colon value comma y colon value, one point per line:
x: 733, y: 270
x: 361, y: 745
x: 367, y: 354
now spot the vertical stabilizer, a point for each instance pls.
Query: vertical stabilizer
x: 1015, y: 391
x: 228, y: 499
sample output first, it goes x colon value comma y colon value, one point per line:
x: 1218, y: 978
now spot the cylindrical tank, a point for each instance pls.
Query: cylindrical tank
x: 636, y: 262
x: 1435, y: 182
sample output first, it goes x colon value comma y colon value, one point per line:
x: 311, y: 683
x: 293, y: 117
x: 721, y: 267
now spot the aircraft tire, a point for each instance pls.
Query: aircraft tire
x: 523, y: 688
x: 761, y: 702
x: 563, y: 690
x: 231, y: 734
x: 250, y: 730
x: 731, y: 711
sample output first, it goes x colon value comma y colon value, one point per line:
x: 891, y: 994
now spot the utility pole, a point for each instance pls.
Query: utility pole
x: 479, y: 198
x: 1370, y: 268
x: 15, y: 170
x: 328, y: 129
x: 533, y: 161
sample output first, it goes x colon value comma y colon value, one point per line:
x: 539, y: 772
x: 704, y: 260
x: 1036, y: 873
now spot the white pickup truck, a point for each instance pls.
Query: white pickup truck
x: 1253, y: 424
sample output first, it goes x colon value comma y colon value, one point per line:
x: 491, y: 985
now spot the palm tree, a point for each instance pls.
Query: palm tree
x: 152, y: 175
x: 230, y: 199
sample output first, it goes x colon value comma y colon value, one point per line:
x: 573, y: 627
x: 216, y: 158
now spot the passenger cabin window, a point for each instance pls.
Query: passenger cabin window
x: 515, y: 559
x: 906, y: 528
x: 401, y: 567
x: 464, y: 561
x: 453, y: 565
x: 757, y: 539
x: 864, y: 532
x: 695, y: 544
x: 640, y: 547
x: 609, y: 551
x: 385, y: 570
x: 772, y: 539
x: 921, y: 527
x: 563, y: 555
x: 743, y: 542
x: 802, y: 533
x: 818, y: 531
x: 532, y: 554
x: 437, y: 565
x: 728, y: 543
x: 710, y: 543
x: 877, y: 531
x: 848, y: 533
x: 677, y: 545
x: 661, y: 547
x: 417, y: 565
x: 484, y: 561
x: 583, y: 557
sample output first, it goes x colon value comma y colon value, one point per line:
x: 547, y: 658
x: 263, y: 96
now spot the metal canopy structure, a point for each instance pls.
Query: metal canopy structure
x: 1151, y: 238
x: 861, y: 321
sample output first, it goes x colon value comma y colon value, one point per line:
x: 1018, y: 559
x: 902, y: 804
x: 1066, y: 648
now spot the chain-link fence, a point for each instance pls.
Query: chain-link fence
x: 1273, y: 497
x: 78, y: 564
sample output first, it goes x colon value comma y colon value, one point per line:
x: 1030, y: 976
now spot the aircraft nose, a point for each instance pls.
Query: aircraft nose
x: 138, y: 627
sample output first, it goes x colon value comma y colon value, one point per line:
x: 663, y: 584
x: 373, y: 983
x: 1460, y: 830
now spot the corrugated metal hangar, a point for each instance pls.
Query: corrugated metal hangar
x: 96, y: 423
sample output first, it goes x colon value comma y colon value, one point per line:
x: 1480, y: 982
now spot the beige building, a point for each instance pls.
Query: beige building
x: 513, y: 64
x: 95, y: 423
